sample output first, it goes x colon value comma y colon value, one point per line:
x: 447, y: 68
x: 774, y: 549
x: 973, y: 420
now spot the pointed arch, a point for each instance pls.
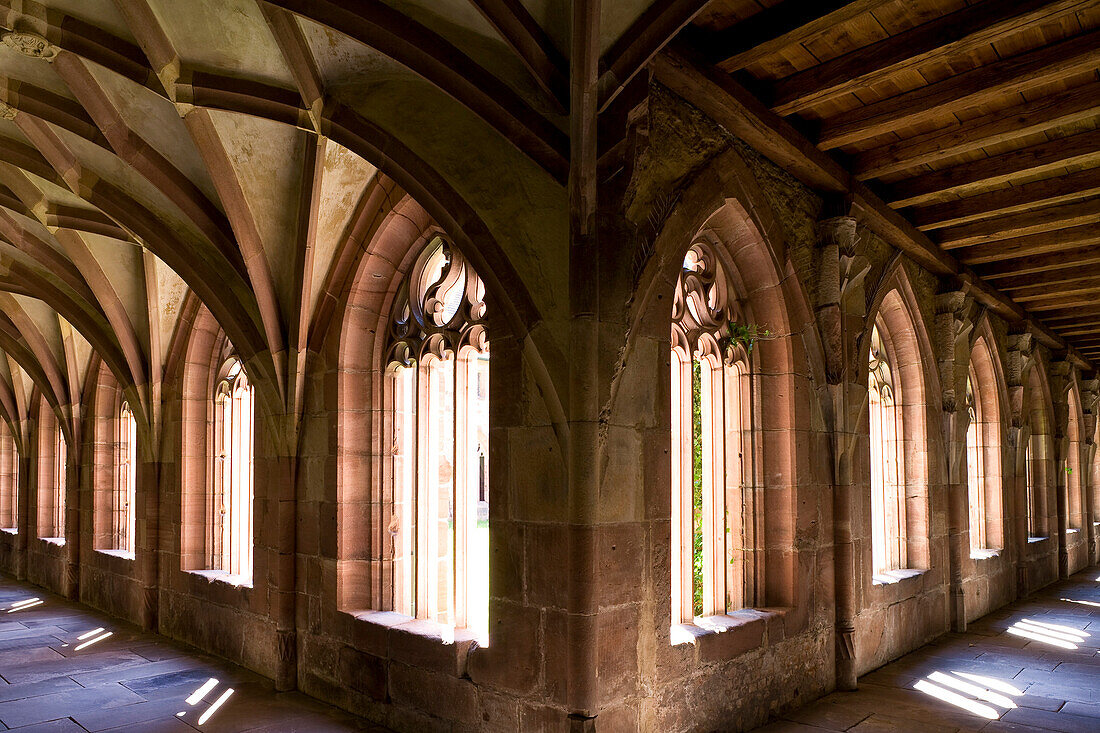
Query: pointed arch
x: 987, y: 396
x: 899, y: 512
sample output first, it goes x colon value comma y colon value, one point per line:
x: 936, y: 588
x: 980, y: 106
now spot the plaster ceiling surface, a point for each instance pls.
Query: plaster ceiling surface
x: 156, y: 153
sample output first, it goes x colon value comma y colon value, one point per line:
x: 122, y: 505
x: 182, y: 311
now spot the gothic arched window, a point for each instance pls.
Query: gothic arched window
x: 713, y: 532
x: 888, y: 527
x: 231, y: 489
x: 437, y: 440
x: 122, y: 509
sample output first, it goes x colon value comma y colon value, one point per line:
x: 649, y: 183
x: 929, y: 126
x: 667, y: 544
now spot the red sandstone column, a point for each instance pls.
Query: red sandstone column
x: 954, y: 321
x: 147, y: 543
x: 584, y: 399
x: 71, y: 531
x: 841, y: 310
x: 23, y: 500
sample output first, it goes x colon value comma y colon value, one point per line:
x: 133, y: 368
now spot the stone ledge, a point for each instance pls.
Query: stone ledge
x: 415, y: 641
x: 896, y: 576
x: 121, y: 554
x: 987, y: 554
x: 55, y: 541
x: 724, y: 636
x: 220, y: 576
x: 10, y: 530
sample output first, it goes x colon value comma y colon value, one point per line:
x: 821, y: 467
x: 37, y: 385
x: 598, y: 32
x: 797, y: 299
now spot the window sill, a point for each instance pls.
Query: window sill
x: 58, y: 541
x: 416, y: 641
x: 1033, y: 540
x: 220, y: 576
x: 422, y: 627
x: 889, y: 577
x: 986, y: 554
x: 124, y: 554
x: 1071, y: 530
x: 10, y: 530
x: 725, y: 636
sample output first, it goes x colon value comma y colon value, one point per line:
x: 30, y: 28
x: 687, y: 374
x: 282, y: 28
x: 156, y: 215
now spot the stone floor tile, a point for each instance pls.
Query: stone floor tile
x: 1052, y: 688
x: 132, y: 681
x: 63, y: 725
x: 888, y: 724
x: 1059, y: 721
x: 39, y: 709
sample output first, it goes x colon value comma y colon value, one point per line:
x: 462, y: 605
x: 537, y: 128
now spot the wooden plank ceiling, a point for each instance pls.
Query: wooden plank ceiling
x: 978, y: 123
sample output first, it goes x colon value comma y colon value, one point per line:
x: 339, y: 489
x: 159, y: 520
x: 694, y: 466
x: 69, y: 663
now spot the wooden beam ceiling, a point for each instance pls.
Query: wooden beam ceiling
x: 995, y: 166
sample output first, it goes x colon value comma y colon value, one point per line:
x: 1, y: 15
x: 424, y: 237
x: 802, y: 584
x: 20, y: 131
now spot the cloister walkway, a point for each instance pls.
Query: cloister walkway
x: 62, y: 673
x: 1031, y: 666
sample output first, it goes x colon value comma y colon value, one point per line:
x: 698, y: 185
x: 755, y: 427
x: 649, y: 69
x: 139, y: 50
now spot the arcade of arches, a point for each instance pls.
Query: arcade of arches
x: 565, y: 365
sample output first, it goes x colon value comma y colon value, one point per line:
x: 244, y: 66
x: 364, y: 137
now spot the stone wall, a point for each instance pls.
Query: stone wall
x: 580, y: 582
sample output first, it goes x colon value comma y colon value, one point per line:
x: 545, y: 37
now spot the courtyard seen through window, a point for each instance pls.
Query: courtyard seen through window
x: 888, y: 528
x: 231, y: 525
x: 437, y: 444
x: 713, y: 532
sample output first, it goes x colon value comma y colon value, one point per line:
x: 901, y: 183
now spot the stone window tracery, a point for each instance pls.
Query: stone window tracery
x: 714, y: 533
x: 437, y: 441
x: 888, y: 523
x: 231, y: 525
x: 122, y: 510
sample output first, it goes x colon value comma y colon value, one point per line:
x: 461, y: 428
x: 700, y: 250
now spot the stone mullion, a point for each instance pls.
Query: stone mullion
x: 840, y: 313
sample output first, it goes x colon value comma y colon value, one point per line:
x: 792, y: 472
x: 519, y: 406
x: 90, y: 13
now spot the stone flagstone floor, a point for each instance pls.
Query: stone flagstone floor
x: 1030, y: 666
x: 130, y: 680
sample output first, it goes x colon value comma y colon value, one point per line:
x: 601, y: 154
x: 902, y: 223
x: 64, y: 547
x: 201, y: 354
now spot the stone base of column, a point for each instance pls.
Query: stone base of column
x: 286, y: 676
x: 958, y: 606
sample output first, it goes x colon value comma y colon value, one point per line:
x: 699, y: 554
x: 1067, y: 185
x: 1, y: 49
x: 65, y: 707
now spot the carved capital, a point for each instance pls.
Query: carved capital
x: 840, y: 231
x: 7, y: 112
x: 1020, y: 348
x: 956, y: 314
x: 31, y: 44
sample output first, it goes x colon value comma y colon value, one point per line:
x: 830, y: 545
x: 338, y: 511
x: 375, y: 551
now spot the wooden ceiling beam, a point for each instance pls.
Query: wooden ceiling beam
x: 1071, y: 316
x: 774, y: 28
x: 978, y: 86
x: 647, y: 35
x: 1061, y: 189
x: 1084, y: 331
x: 1035, y: 221
x: 532, y: 44
x: 1081, y: 148
x: 1048, y: 280
x: 1076, y: 301
x: 955, y: 33
x: 743, y: 115
x: 1027, y: 118
x: 1083, y: 287
x: 1061, y: 260
x: 1031, y: 244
